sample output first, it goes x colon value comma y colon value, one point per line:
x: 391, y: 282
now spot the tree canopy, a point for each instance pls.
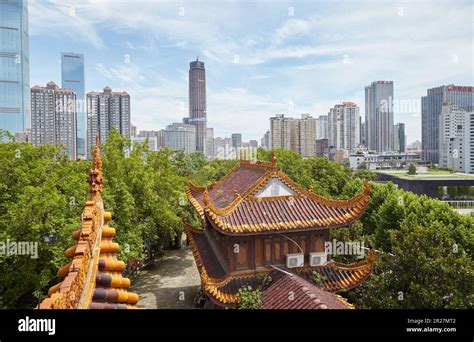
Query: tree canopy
x: 43, y: 194
x: 426, y: 248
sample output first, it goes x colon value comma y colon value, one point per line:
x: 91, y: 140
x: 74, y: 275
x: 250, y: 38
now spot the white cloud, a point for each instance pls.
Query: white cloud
x: 301, y: 57
x: 61, y: 20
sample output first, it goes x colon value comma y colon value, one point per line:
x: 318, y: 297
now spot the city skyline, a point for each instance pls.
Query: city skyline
x: 291, y: 64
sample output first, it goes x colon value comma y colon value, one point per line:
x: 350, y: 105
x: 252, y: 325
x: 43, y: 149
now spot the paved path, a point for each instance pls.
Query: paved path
x: 171, y: 282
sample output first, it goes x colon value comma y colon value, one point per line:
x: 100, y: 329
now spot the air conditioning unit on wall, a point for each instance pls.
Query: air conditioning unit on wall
x: 318, y: 258
x: 294, y: 260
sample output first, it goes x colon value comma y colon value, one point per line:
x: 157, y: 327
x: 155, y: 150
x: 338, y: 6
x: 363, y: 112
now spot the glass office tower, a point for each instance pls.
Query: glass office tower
x: 72, y: 77
x: 14, y: 66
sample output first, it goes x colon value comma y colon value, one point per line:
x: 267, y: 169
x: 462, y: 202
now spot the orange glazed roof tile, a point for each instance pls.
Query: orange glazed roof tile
x: 93, y: 279
x: 235, y: 206
x: 290, y: 291
x: 222, y: 287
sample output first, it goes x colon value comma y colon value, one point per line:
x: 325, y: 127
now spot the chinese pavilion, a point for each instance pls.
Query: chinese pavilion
x: 258, y: 223
x: 93, y: 278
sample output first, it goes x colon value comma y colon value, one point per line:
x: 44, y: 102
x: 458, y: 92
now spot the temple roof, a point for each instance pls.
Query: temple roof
x: 303, y: 294
x: 93, y: 279
x: 222, y: 287
x: 240, y: 204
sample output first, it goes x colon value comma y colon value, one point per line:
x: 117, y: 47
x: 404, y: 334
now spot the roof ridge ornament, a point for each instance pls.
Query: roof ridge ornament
x: 367, y: 189
x: 236, y: 194
x: 274, y: 159
x: 206, y: 197
x: 95, y: 172
x: 372, y: 256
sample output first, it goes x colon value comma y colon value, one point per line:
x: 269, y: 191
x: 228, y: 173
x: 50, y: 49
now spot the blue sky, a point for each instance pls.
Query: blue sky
x: 262, y: 57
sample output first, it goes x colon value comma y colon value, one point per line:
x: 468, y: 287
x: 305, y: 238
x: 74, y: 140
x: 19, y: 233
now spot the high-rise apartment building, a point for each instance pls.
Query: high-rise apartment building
x: 159, y: 135
x: 14, y: 67
x: 322, y: 147
x: 307, y: 135
x: 209, y: 143
x: 298, y: 135
x: 197, y: 102
x: 281, y: 131
x: 146, y: 134
x: 344, y: 126
x: 180, y: 137
x: 456, y: 144
x: 53, y: 117
x: 152, y: 142
x: 431, y: 106
x: 399, y: 138
x: 379, y: 116
x: 223, y: 148
x: 322, y: 127
x: 105, y: 111
x: 72, y: 77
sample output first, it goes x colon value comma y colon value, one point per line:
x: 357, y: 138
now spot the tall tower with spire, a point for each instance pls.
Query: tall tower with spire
x: 197, y: 102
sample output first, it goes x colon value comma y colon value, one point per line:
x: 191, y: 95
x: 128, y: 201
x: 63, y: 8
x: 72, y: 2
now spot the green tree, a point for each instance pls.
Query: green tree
x: 41, y: 200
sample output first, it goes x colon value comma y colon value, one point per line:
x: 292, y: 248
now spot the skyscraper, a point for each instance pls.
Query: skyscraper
x: 344, y: 126
x: 72, y: 77
x: 379, y: 116
x: 14, y: 66
x: 236, y: 140
x: 105, y: 111
x: 399, y: 138
x: 322, y: 127
x: 53, y: 117
x: 431, y: 106
x: 197, y: 102
x: 265, y: 141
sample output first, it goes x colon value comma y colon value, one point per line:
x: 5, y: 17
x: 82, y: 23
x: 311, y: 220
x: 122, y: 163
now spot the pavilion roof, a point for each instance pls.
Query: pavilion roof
x: 234, y: 206
x: 93, y: 278
x: 304, y: 294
